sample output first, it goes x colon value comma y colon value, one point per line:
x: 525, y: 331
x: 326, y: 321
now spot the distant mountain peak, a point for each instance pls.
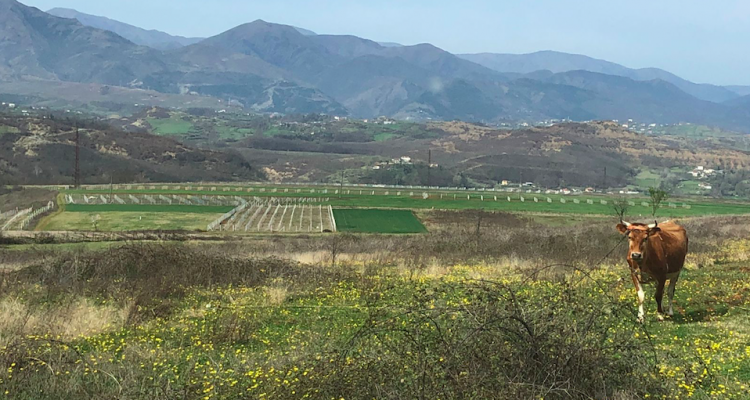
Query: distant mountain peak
x: 7, y: 4
x: 151, y: 38
x: 273, y: 67
x: 62, y: 12
x: 559, y: 62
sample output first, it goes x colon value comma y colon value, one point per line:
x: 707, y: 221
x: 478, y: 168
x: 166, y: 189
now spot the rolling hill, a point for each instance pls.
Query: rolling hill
x: 626, y: 98
x: 43, y: 151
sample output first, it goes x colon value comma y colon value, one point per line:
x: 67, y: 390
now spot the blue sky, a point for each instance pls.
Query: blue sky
x: 704, y: 41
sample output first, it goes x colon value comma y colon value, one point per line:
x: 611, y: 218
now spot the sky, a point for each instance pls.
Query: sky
x: 703, y: 41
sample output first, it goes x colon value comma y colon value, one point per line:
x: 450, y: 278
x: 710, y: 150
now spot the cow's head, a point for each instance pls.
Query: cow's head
x: 638, y: 235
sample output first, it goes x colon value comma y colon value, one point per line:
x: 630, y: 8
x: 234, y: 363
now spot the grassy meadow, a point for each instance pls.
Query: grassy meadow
x: 463, y: 200
x: 377, y: 221
x: 486, y: 305
x: 170, y: 126
x: 119, y: 221
x: 155, y: 208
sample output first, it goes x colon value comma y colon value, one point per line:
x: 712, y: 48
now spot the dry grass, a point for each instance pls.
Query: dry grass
x: 275, y: 295
x: 79, y: 317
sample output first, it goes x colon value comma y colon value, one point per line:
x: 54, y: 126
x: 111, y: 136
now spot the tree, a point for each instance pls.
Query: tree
x: 742, y: 189
x: 336, y: 245
x: 620, y: 207
x: 95, y: 222
x: 656, y: 197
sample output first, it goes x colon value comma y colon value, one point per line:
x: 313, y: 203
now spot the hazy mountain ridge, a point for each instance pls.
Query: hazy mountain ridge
x: 146, y: 37
x: 276, y: 68
x: 36, y: 45
x: 557, y: 62
x: 151, y: 38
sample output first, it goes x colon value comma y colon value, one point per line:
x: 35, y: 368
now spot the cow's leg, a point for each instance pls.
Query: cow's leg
x: 641, y: 295
x: 659, y: 296
x: 670, y: 292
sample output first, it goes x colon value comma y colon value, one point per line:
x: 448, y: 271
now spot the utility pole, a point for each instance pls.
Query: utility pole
x: 429, y: 166
x: 77, y: 172
x: 605, y: 179
x: 341, y: 189
x: 110, y: 190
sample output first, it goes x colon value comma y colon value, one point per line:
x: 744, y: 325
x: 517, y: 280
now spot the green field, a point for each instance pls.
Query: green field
x: 383, y: 136
x: 8, y: 129
x: 176, y: 208
x: 647, y: 178
x: 230, y: 132
x: 694, y: 131
x: 444, y: 200
x: 115, y: 221
x: 170, y: 126
x: 377, y: 221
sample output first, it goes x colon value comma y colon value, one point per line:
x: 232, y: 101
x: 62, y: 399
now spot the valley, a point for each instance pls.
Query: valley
x: 252, y: 209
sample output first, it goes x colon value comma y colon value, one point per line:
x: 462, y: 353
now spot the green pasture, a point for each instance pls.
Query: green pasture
x: 8, y: 129
x: 175, y: 208
x: 119, y: 221
x: 468, y: 200
x: 694, y: 131
x: 377, y: 221
x: 170, y: 126
x: 230, y: 132
x: 383, y: 136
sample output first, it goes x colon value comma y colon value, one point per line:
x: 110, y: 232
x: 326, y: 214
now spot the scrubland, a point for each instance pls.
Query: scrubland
x: 486, y: 305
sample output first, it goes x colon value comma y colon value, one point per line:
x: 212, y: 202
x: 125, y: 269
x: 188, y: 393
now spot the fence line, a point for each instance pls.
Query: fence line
x: 8, y: 214
x: 333, y: 219
x: 218, y: 221
x: 15, y: 217
x: 27, y: 221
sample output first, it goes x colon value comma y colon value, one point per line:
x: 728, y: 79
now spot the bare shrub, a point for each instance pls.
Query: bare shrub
x: 506, y: 341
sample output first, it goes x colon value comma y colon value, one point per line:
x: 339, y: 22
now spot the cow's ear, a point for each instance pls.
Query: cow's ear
x: 654, y: 230
x: 622, y: 228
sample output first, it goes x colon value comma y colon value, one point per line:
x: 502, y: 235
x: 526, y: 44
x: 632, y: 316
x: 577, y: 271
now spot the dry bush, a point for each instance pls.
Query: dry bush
x: 276, y: 294
x: 506, y: 341
x: 68, y: 320
x: 152, y: 278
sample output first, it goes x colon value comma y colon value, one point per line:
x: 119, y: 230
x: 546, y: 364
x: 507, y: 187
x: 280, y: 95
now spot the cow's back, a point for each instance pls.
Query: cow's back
x: 675, y: 242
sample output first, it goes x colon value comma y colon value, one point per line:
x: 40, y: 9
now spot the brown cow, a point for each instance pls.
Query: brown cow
x: 658, y: 251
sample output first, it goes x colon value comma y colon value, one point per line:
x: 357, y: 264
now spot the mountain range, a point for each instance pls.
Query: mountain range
x: 558, y: 62
x: 269, y: 67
